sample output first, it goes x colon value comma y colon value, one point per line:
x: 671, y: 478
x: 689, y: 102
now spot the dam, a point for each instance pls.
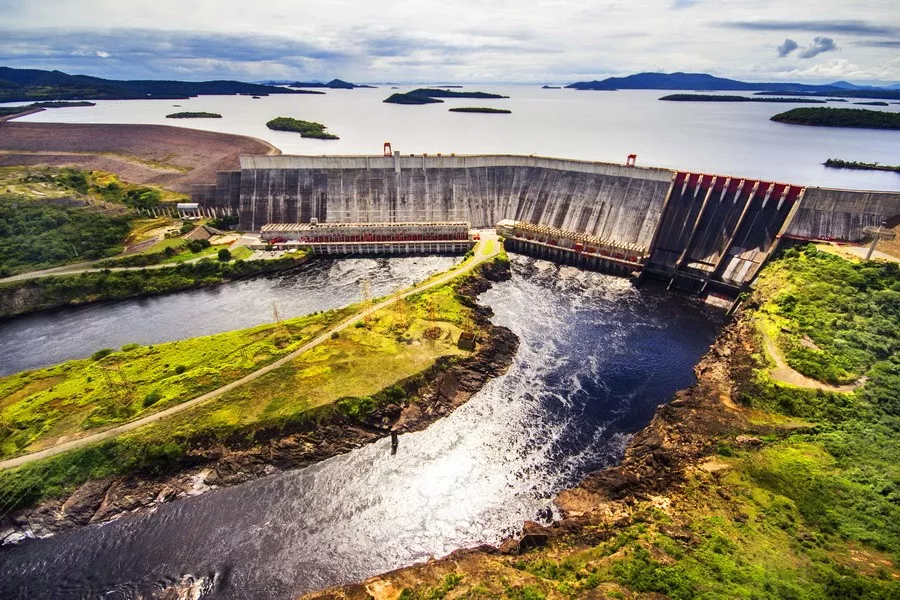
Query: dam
x: 694, y: 230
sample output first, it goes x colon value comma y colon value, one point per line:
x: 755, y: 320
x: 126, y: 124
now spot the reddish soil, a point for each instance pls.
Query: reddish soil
x: 171, y: 157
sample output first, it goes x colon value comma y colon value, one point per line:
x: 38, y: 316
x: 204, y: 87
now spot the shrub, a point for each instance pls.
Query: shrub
x: 180, y: 369
x: 102, y: 353
x: 170, y: 251
x: 224, y: 255
x: 197, y: 245
x: 152, y: 398
x: 130, y: 347
x: 187, y: 227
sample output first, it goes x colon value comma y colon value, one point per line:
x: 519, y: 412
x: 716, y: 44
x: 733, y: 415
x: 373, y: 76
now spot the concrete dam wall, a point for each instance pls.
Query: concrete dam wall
x: 610, y: 201
x: 691, y: 227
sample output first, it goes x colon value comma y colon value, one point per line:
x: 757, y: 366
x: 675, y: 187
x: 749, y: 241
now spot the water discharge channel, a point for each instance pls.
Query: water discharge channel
x: 596, y: 358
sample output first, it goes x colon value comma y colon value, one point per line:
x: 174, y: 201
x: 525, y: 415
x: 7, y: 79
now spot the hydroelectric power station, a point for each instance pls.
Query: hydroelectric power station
x: 695, y: 230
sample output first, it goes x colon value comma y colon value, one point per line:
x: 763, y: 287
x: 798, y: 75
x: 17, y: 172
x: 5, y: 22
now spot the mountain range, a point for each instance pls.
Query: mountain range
x: 706, y: 82
x: 36, y: 84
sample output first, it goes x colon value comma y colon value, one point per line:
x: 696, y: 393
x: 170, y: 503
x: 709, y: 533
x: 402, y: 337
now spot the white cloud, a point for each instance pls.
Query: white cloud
x: 427, y: 40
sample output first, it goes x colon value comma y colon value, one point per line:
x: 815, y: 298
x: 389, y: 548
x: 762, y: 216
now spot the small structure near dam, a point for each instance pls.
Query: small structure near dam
x: 371, y: 238
x: 693, y: 230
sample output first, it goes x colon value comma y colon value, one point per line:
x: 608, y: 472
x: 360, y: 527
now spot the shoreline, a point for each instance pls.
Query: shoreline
x: 441, y: 388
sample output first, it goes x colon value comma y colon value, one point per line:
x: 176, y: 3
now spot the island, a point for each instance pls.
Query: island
x: 550, y: 87
x: 840, y: 117
x: 433, y: 96
x: 875, y: 103
x: 715, y: 98
x: 194, y: 115
x: 481, y: 109
x: 307, y: 129
x: 836, y: 163
x: 334, y: 84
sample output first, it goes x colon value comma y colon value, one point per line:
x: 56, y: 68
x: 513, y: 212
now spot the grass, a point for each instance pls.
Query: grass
x: 351, y: 373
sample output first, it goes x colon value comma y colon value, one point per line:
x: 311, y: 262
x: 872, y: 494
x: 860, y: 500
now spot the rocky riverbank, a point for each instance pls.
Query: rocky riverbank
x: 429, y: 395
x: 658, y: 460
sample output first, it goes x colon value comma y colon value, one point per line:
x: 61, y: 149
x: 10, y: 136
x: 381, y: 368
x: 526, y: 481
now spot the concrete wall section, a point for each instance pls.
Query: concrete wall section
x: 826, y: 214
x: 622, y: 204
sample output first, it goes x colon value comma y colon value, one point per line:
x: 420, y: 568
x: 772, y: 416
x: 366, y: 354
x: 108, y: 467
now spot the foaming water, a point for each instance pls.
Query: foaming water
x: 321, y: 284
x: 596, y: 357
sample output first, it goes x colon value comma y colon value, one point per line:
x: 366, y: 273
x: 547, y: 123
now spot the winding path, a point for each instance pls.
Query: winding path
x: 483, y: 251
x: 785, y: 374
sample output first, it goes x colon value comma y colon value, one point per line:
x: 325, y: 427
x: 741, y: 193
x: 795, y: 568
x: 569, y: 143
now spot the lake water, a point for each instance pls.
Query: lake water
x: 596, y: 358
x: 47, y: 338
x: 720, y: 138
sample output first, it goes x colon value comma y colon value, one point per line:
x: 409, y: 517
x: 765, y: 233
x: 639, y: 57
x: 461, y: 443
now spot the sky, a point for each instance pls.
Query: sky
x: 548, y: 41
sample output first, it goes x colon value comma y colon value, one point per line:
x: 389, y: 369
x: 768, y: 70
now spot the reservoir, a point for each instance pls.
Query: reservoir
x: 723, y: 138
x: 596, y: 358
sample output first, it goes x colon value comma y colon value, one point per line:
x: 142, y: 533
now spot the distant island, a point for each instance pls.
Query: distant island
x: 876, y: 103
x: 306, y: 129
x: 694, y: 82
x: 550, y: 87
x: 194, y: 115
x: 840, y: 117
x: 714, y: 98
x: 481, y: 109
x: 17, y: 85
x: 334, y: 84
x: 836, y: 163
x: 432, y: 96
x: 9, y: 112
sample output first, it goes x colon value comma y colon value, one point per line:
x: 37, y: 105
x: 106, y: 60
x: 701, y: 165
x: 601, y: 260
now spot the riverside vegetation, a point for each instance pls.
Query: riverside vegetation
x: 194, y: 115
x: 836, y: 163
x: 741, y: 487
x: 52, y: 216
x: 353, y: 374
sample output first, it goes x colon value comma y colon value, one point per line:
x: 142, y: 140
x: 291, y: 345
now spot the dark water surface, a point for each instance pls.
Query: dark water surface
x: 43, y: 339
x: 596, y: 357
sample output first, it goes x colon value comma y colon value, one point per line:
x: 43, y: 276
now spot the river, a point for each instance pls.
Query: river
x: 47, y: 338
x: 722, y: 138
x: 596, y: 358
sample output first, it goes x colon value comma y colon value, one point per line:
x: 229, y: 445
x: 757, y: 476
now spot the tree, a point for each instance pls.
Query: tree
x: 224, y: 255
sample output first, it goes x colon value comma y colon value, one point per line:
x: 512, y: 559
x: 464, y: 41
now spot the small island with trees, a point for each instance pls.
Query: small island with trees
x: 433, y: 96
x: 481, y: 109
x: 306, y: 129
x: 836, y: 163
x: 873, y: 103
x: 194, y: 115
x: 728, y: 98
x: 840, y: 117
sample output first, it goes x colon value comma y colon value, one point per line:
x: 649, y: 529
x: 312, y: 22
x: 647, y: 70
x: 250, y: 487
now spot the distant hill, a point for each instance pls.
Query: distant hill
x: 34, y: 84
x: 706, y: 82
x: 334, y: 84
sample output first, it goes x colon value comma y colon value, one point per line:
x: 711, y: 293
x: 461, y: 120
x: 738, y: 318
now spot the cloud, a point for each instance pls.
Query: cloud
x: 846, y: 27
x: 879, y: 43
x: 820, y: 44
x: 787, y: 47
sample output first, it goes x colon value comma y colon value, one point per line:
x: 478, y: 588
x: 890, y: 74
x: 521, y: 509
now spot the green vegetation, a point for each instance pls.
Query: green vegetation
x: 875, y: 103
x: 726, y: 98
x: 840, y: 117
x: 54, y: 292
x: 194, y: 115
x: 433, y: 96
x: 348, y: 376
x: 837, y: 163
x: 224, y: 223
x: 307, y: 129
x: 477, y: 109
x: 836, y: 319
x: 54, y: 216
x: 37, y: 234
x: 224, y: 255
